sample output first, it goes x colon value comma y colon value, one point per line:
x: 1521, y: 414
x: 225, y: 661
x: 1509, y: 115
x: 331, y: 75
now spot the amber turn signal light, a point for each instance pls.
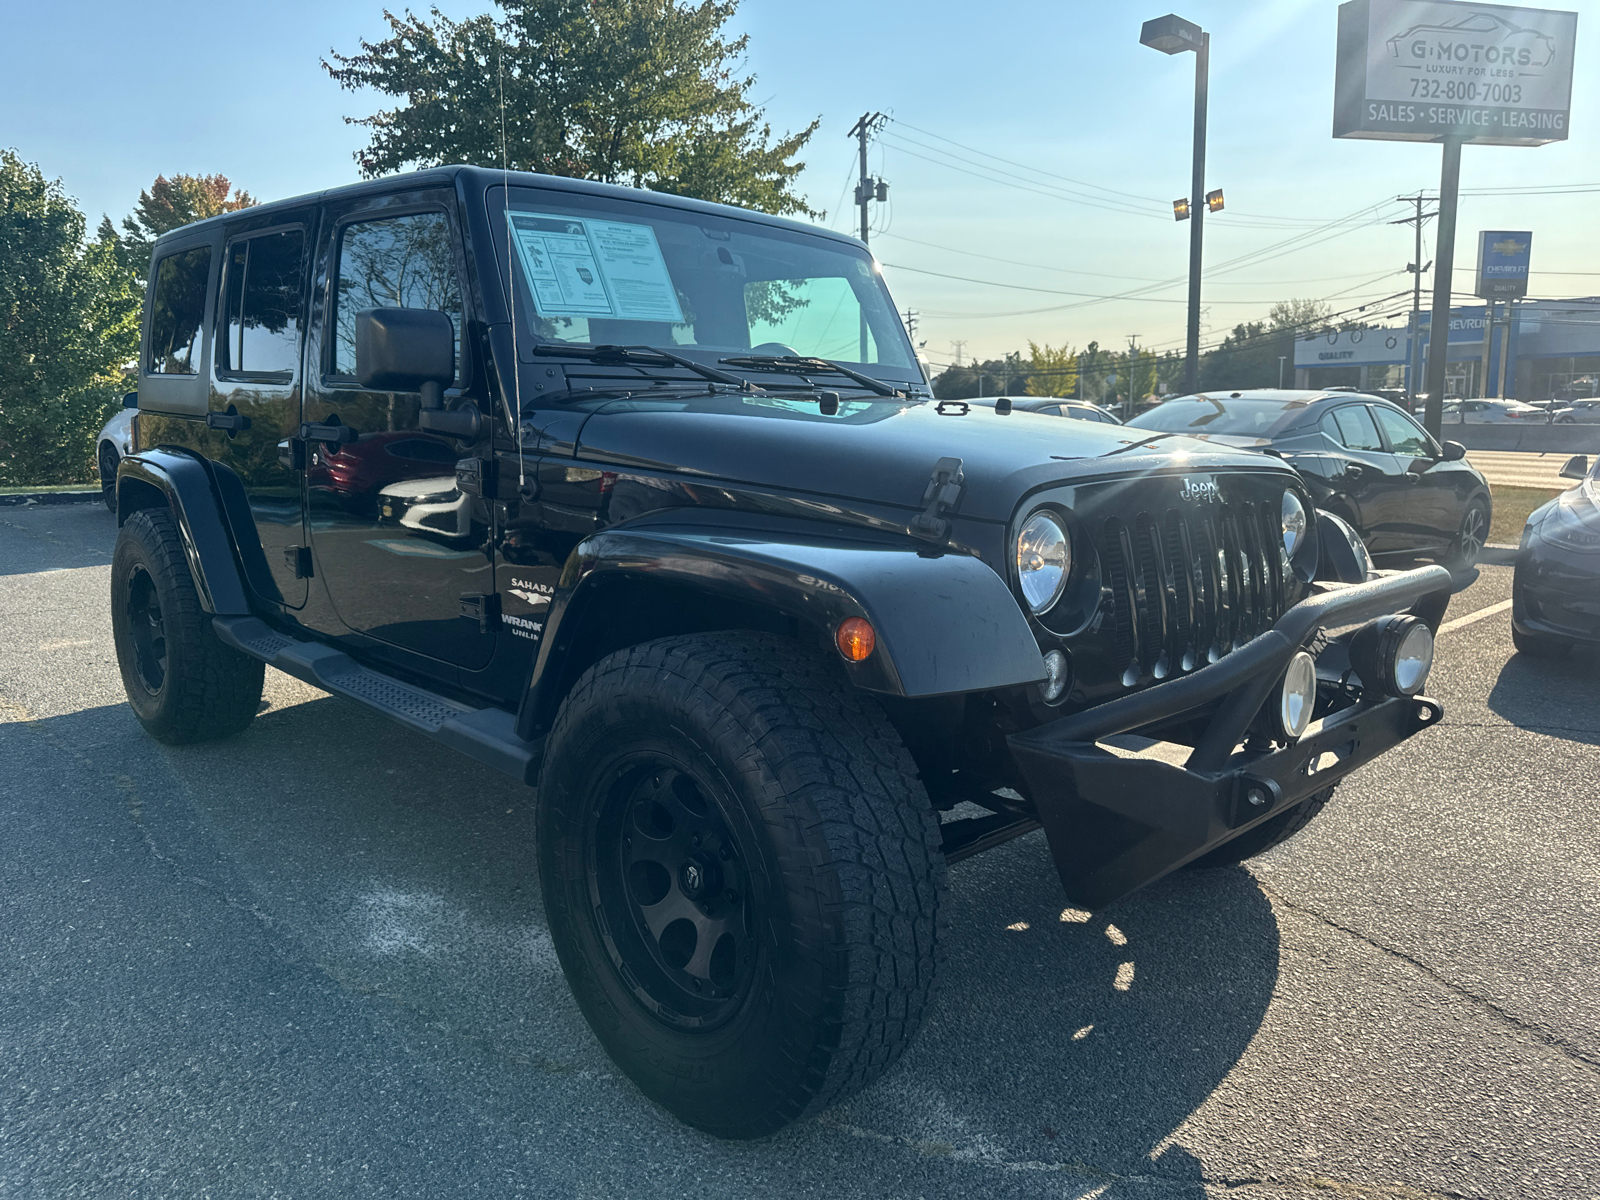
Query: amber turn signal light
x: 855, y: 638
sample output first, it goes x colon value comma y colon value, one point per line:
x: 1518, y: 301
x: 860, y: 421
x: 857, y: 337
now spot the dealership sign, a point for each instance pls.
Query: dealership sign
x: 1423, y: 70
x: 1503, y: 264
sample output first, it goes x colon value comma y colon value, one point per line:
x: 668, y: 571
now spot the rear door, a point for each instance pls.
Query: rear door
x: 254, y: 400
x: 397, y: 545
x: 1431, y: 509
x: 1367, y: 477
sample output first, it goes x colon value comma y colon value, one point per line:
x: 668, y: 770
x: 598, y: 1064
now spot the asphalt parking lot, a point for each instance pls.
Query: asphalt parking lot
x: 311, y: 962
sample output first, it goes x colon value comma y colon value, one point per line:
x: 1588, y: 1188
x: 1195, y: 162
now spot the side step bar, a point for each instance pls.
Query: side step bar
x: 486, y: 734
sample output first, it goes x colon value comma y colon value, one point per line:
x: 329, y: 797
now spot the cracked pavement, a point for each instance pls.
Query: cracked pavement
x: 311, y: 961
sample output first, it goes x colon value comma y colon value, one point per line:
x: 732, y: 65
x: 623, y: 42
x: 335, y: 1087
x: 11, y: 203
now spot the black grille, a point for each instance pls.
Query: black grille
x: 1187, y: 586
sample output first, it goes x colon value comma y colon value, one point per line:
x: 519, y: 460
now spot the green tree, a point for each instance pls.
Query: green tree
x: 170, y: 204
x: 1248, y: 357
x: 69, y: 320
x: 640, y: 92
x: 1053, y: 370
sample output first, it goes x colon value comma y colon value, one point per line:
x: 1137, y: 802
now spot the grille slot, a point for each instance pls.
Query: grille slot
x: 1189, y: 586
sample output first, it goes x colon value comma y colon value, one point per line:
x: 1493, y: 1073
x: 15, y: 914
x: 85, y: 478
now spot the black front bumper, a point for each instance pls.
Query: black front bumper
x: 1115, y: 824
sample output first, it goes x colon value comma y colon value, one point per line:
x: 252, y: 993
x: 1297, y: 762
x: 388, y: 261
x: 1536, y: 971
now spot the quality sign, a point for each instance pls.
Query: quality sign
x: 1503, y: 264
x: 1424, y: 70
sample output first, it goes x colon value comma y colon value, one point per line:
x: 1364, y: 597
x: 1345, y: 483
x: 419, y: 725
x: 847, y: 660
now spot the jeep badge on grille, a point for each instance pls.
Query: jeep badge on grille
x: 1199, y: 489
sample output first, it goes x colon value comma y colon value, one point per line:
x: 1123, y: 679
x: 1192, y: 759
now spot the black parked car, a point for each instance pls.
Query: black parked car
x: 1050, y: 406
x: 572, y: 479
x: 1364, y: 460
x: 1555, y: 594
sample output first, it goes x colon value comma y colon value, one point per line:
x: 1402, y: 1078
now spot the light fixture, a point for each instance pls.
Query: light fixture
x: 1180, y: 210
x: 1057, y: 674
x: 1214, y: 201
x: 1297, y: 696
x: 1393, y: 654
x: 1044, y: 557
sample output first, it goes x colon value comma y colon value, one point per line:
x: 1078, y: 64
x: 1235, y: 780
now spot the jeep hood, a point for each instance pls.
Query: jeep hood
x: 883, y: 452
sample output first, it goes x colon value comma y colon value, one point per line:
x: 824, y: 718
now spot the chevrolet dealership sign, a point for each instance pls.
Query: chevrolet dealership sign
x: 1423, y: 70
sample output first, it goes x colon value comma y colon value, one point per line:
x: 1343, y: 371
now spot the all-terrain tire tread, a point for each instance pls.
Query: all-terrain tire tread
x: 215, y: 690
x: 854, y: 799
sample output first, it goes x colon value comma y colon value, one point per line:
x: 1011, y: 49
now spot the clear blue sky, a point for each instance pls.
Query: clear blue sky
x: 106, y: 96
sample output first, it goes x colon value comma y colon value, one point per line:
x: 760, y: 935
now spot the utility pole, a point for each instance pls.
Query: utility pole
x: 868, y: 189
x: 911, y: 325
x: 1133, y: 360
x: 1416, y: 267
x: 959, y: 346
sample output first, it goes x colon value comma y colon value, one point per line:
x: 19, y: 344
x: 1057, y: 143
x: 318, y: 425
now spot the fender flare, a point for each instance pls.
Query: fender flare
x: 945, y: 623
x: 181, y: 480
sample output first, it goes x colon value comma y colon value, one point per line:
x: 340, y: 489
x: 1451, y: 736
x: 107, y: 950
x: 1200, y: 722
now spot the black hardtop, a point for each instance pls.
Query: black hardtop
x: 473, y: 183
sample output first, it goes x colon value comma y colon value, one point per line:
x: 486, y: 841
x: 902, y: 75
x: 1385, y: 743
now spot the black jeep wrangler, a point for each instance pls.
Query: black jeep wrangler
x: 645, y: 501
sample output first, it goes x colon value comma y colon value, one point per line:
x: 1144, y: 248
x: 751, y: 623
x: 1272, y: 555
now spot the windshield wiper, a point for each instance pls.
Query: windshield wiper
x: 802, y: 365
x: 645, y: 356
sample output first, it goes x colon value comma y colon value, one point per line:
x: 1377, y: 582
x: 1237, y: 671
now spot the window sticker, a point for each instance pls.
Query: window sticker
x: 581, y: 267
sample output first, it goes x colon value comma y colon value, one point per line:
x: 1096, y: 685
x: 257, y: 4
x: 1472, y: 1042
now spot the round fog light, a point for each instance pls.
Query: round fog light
x: 1393, y: 654
x: 1298, y: 695
x: 1057, y: 673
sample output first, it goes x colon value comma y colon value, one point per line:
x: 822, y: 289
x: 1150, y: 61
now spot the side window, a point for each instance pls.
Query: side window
x: 263, y: 289
x: 1356, y: 429
x: 176, y: 312
x: 1404, y: 437
x: 395, y: 262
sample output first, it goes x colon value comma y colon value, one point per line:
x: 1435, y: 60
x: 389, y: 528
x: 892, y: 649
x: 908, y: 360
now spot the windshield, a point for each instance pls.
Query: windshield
x: 594, y: 270
x: 1234, y: 418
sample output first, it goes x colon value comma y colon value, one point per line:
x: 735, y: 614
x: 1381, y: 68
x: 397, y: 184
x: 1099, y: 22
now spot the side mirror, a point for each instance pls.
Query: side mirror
x: 1577, y: 467
x: 131, y: 400
x: 406, y: 350
x: 414, y: 350
x: 1454, y: 452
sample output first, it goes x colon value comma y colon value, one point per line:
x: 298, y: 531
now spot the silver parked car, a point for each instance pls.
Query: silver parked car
x: 1491, y: 412
x: 1579, y: 412
x: 111, y: 446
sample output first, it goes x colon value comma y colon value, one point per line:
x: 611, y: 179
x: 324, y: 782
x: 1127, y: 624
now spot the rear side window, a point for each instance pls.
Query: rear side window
x: 264, y: 287
x: 1353, y: 427
x: 177, y: 311
x: 396, y: 262
x: 1404, y: 437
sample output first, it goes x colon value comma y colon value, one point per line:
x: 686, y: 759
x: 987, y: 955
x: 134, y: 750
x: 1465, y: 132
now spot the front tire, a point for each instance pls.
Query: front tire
x: 742, y: 876
x: 109, y: 459
x: 183, y: 683
x: 1468, y: 545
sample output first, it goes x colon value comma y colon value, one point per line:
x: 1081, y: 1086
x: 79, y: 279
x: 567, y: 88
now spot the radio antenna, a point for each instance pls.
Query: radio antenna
x: 511, y: 282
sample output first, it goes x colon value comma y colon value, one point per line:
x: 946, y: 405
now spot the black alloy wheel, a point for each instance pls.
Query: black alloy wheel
x: 673, y: 881
x: 146, y: 630
x: 1468, y: 545
x: 183, y: 683
x: 109, y: 458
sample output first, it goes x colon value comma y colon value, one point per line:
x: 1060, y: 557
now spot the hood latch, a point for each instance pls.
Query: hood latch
x: 942, y: 495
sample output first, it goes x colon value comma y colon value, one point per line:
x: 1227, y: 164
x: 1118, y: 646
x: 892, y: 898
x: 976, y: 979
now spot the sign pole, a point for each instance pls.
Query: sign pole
x: 1197, y: 211
x: 1505, y: 347
x: 1443, y: 262
x: 1488, y: 349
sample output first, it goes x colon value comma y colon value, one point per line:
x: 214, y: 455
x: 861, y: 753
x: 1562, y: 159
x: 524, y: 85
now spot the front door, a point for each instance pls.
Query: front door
x: 254, y: 403
x: 396, y: 544
x: 1369, y: 479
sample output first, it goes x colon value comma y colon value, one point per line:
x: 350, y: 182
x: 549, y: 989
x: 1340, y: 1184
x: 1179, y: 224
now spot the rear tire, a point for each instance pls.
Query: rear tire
x: 742, y: 875
x: 1271, y: 832
x: 184, y: 684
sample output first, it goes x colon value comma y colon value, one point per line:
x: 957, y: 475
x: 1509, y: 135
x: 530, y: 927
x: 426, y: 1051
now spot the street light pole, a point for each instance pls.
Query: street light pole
x: 1197, y: 209
x: 1171, y: 34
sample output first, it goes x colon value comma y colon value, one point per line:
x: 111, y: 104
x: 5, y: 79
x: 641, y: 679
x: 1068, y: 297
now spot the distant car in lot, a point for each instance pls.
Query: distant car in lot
x: 1491, y: 412
x: 113, y: 444
x: 1363, y: 459
x: 1555, y: 591
x: 1578, y: 412
x: 1052, y: 406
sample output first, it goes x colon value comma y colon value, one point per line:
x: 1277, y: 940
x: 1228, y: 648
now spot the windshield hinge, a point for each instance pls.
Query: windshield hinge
x: 942, y: 495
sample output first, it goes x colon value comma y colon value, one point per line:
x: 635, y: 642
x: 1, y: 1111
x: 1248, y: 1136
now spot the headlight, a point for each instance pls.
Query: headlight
x: 1393, y: 654
x: 1044, y: 557
x: 1297, y: 696
x: 1294, y: 523
x: 1572, y: 525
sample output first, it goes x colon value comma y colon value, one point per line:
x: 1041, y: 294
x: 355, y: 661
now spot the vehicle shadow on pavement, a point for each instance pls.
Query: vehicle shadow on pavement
x: 1559, y: 697
x: 1076, y: 1042
x: 1062, y: 1043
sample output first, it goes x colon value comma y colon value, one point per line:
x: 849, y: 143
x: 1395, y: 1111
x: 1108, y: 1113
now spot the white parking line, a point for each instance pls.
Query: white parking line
x: 1479, y: 615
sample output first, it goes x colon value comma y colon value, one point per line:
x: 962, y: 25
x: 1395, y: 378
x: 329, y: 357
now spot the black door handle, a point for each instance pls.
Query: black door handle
x: 232, y: 422
x: 339, y: 435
